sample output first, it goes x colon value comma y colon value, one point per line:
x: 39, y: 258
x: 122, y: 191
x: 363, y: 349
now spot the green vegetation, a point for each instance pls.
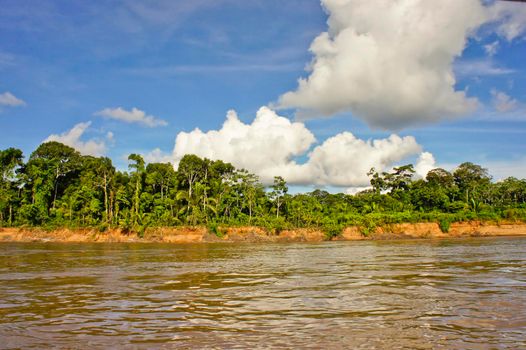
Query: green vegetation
x: 57, y: 187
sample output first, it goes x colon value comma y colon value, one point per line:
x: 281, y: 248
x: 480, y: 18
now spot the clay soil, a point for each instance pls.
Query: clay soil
x: 182, y: 235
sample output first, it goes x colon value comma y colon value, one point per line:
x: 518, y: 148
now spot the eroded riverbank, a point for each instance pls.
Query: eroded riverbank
x: 258, y: 235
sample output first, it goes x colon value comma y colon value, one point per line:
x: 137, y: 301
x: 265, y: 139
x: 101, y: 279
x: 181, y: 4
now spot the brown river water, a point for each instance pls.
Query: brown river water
x: 450, y: 294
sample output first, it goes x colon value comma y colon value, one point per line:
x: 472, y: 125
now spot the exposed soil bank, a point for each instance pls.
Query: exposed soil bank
x: 256, y: 234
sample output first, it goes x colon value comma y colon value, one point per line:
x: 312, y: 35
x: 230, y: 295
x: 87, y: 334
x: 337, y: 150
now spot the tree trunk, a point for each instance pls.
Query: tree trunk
x: 106, y: 205
x: 55, y: 194
x: 56, y: 189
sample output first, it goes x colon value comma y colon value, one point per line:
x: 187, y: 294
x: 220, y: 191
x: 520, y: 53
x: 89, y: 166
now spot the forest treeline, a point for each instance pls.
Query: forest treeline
x: 58, y: 187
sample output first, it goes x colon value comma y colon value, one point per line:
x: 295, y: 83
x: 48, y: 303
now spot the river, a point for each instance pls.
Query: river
x: 425, y: 294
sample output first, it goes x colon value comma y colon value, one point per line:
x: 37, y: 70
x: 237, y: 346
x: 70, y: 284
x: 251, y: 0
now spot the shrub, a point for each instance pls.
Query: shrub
x: 141, y: 231
x: 213, y: 228
x: 511, y: 214
x: 332, y: 230
x: 444, y: 224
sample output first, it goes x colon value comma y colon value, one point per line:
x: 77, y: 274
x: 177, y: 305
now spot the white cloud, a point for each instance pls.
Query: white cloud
x: 390, y: 63
x: 355, y: 190
x: 510, y: 18
x: 478, y: 68
x: 271, y: 145
x: 492, y: 48
x: 110, y: 136
x: 503, y: 102
x: 344, y: 160
x: 72, y: 138
x: 425, y: 163
x: 267, y: 146
x: 157, y: 156
x: 133, y: 116
x: 8, y: 99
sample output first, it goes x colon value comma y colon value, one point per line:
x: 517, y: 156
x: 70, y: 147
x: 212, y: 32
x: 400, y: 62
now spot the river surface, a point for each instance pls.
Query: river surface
x: 451, y: 294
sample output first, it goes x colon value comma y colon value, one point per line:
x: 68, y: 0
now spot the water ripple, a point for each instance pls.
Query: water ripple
x: 385, y: 295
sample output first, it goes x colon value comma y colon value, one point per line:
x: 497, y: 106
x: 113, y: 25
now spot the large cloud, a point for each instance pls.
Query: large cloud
x: 72, y: 138
x: 271, y: 145
x: 267, y: 146
x: 390, y: 62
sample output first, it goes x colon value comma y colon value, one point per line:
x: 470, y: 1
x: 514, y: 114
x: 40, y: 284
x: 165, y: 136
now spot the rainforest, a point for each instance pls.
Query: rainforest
x: 59, y: 188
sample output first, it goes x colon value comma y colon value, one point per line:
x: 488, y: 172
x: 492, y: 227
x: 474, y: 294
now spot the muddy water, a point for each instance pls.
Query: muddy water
x: 386, y: 295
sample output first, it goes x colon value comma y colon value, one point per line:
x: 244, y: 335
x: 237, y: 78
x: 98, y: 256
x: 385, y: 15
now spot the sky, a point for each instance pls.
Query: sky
x: 315, y: 91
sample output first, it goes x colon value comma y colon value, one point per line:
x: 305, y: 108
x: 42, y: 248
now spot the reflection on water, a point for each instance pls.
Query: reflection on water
x: 387, y: 295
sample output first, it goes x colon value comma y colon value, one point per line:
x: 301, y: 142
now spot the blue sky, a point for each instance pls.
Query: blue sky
x: 189, y: 62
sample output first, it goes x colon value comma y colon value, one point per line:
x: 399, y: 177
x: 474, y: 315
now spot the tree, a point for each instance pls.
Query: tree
x: 400, y: 178
x: 249, y: 190
x: 440, y: 177
x: 279, y: 190
x: 102, y: 173
x: 137, y: 167
x: 377, y: 180
x: 190, y: 170
x: 161, y: 177
x: 50, y: 169
x: 10, y: 160
x: 471, y: 180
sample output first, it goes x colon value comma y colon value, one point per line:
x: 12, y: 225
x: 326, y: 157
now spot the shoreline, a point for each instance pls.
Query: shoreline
x: 188, y: 235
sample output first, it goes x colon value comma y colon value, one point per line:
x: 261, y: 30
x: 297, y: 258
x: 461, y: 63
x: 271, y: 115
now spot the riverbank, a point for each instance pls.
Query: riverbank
x: 184, y: 235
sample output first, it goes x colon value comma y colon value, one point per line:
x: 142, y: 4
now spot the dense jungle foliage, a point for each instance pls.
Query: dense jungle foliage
x: 58, y: 187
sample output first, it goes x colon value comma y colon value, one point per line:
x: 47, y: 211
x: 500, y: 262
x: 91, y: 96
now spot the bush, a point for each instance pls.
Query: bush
x: 141, y: 231
x: 444, y: 224
x: 511, y: 214
x: 215, y: 229
x: 332, y: 230
x: 369, y: 223
x: 456, y: 206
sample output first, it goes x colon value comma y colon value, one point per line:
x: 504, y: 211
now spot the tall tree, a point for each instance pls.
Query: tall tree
x: 138, y: 169
x: 50, y: 169
x: 10, y: 160
x: 471, y: 180
x: 191, y: 169
x: 279, y: 190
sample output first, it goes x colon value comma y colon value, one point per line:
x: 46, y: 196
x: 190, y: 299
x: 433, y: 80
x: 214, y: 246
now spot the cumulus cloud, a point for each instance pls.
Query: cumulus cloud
x: 157, y: 156
x: 267, y: 146
x: 273, y: 145
x: 425, y: 163
x: 390, y: 63
x: 133, y: 116
x: 503, y: 102
x: 344, y: 160
x: 8, y: 99
x: 73, y: 137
